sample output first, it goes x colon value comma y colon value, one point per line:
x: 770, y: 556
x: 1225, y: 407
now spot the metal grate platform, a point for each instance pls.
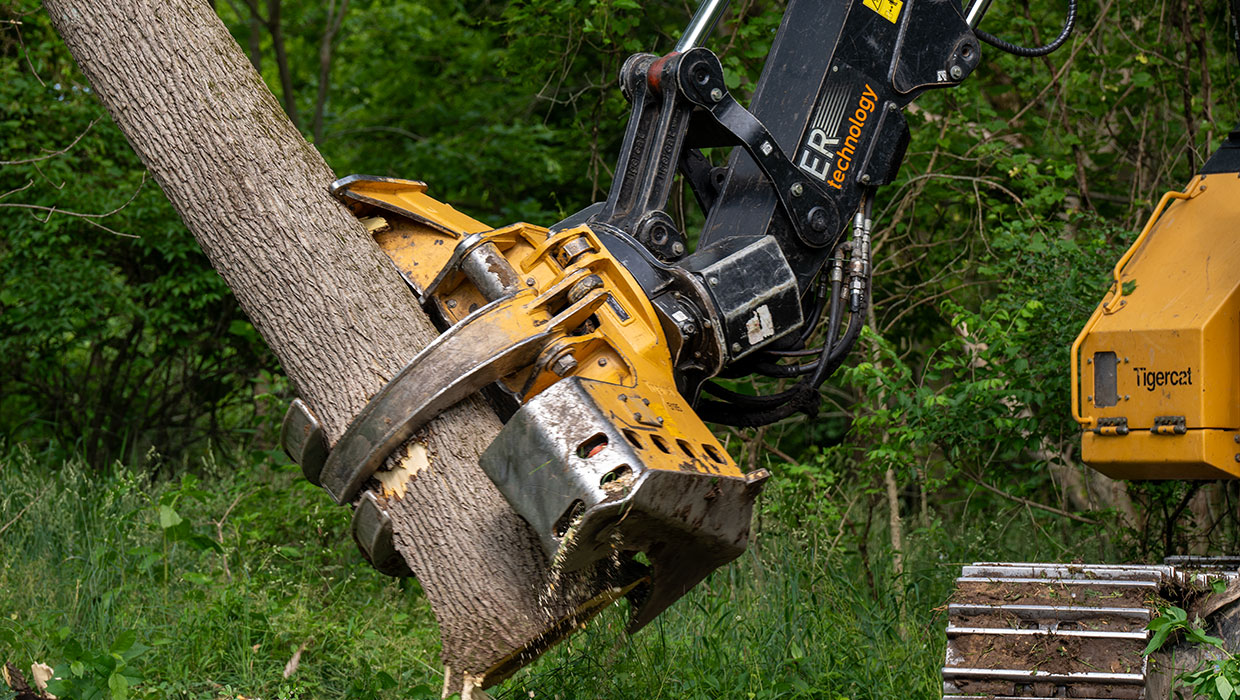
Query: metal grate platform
x: 1049, y: 630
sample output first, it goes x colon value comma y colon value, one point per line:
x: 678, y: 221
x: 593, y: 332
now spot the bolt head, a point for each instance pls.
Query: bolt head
x: 736, y: 348
x: 716, y: 94
x: 956, y: 72
x: 688, y: 328
x: 678, y: 248
x: 658, y: 234
x: 564, y: 365
x: 818, y: 219
x: 529, y: 281
x: 602, y: 362
x: 797, y: 189
x: 865, y: 179
x: 714, y: 281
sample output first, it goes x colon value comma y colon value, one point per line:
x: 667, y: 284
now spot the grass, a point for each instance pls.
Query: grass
x: 87, y: 561
x: 206, y: 587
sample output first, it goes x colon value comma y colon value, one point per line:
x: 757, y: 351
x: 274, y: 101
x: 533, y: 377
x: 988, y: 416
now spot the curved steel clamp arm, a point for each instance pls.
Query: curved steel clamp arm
x: 476, y: 352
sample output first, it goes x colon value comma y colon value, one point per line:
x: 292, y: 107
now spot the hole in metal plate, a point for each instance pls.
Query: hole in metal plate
x: 592, y: 446
x: 570, y: 517
x: 660, y: 443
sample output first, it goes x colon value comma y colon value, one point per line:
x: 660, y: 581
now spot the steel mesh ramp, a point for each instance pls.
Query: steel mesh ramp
x: 1049, y: 630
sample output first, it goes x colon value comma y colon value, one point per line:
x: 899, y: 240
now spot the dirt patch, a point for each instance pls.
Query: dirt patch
x: 1000, y: 618
x: 1050, y: 593
x: 1050, y: 653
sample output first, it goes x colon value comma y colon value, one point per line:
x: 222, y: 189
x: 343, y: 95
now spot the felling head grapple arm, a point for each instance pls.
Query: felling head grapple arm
x: 594, y: 338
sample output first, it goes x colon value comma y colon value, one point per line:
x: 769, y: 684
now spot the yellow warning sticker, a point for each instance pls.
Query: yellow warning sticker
x: 889, y: 9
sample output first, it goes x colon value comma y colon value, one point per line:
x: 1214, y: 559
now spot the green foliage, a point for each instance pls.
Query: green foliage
x: 200, y: 585
x: 992, y: 248
x: 82, y: 582
x: 115, y: 333
x: 995, y: 391
x: 1020, y: 190
x: 511, y: 112
x: 87, y: 675
x: 1217, y: 679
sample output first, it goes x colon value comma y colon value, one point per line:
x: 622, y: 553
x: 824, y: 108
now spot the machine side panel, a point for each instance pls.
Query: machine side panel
x: 1160, y: 373
x: 1198, y: 454
x: 1176, y: 333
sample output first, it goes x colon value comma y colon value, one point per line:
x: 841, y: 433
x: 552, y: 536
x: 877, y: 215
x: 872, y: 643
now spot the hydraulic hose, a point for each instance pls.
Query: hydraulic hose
x: 1034, y: 52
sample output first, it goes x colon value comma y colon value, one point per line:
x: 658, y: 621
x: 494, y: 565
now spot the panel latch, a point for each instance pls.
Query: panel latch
x: 1169, y: 425
x: 1112, y: 426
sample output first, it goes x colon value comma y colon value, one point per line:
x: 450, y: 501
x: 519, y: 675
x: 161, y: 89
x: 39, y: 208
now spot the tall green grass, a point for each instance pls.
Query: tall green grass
x: 260, y: 563
x: 803, y: 613
x: 86, y: 562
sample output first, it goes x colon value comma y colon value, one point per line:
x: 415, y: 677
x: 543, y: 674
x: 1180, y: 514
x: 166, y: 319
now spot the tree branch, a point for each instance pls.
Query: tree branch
x: 1032, y: 504
x: 55, y: 153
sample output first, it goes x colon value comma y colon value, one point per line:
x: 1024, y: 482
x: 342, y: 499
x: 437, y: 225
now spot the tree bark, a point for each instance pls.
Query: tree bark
x: 326, y: 299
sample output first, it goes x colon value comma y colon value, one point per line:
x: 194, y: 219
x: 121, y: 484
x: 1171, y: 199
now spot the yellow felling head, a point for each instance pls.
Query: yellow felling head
x: 1156, y: 371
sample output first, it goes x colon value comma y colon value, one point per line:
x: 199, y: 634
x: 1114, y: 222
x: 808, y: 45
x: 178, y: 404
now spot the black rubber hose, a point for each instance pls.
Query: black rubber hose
x: 776, y: 371
x: 726, y: 413
x: 816, y: 315
x: 840, y: 350
x: 771, y: 369
x: 764, y: 401
x: 1034, y: 52
x: 835, y: 352
x: 772, y: 355
x: 833, y: 317
x: 744, y: 411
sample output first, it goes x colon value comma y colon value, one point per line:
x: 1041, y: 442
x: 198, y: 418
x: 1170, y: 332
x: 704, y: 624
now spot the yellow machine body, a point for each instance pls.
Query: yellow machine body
x: 602, y: 456
x: 623, y: 353
x: 1156, y: 370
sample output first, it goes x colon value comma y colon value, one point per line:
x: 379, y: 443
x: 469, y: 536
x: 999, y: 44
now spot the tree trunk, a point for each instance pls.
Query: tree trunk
x: 326, y: 299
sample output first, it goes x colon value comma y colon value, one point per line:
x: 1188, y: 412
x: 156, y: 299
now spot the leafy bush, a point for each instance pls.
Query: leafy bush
x: 1213, y: 679
x: 115, y: 333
